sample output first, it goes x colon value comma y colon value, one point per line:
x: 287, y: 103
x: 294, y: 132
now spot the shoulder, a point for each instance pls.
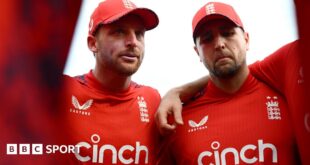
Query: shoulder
x: 145, y: 89
x: 150, y: 94
x: 288, y: 48
x: 266, y: 89
x: 76, y: 84
x: 77, y: 79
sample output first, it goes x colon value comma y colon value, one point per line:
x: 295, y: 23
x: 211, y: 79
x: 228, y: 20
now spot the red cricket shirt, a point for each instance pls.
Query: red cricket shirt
x: 112, y: 128
x: 250, y: 126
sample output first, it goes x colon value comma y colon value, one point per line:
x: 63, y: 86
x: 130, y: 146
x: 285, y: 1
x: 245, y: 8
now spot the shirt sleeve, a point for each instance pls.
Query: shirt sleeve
x: 274, y: 68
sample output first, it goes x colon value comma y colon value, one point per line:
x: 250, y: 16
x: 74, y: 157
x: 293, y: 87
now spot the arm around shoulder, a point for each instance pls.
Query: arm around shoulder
x: 171, y: 104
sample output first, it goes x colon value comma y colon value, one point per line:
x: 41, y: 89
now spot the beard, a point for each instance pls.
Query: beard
x: 128, y: 70
x: 225, y: 72
x: 116, y: 65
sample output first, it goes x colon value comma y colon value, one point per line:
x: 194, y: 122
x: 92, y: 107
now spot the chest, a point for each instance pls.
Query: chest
x: 232, y: 130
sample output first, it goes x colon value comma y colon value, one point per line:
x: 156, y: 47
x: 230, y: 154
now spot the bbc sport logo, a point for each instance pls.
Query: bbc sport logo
x: 38, y: 149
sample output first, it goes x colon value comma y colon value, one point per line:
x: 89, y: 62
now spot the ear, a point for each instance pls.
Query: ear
x: 197, y: 52
x: 92, y: 43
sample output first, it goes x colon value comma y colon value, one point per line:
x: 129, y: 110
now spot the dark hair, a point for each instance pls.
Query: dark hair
x: 97, y: 29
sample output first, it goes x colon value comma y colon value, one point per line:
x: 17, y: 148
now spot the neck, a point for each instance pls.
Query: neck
x: 232, y: 84
x: 111, y: 81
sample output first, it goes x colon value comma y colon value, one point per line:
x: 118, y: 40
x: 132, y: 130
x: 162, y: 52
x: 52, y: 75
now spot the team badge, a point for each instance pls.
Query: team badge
x: 128, y: 4
x: 273, y: 109
x: 210, y: 9
x: 144, y: 114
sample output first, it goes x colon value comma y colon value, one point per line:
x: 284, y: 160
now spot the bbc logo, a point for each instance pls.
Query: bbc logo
x: 24, y: 149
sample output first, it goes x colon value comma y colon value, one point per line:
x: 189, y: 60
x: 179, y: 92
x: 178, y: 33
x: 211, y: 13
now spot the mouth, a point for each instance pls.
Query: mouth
x: 222, y: 59
x: 129, y: 57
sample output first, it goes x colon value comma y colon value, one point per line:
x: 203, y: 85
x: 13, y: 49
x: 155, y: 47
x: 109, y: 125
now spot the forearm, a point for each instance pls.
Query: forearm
x: 171, y: 104
x: 188, y: 90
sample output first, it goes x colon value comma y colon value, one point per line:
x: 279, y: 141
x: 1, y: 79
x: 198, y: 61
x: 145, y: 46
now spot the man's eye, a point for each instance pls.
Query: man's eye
x: 206, y: 38
x: 228, y: 33
x: 119, y: 32
x: 140, y: 34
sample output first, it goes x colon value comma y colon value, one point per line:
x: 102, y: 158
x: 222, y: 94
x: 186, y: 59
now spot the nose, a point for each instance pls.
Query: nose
x: 219, y: 42
x: 131, y: 39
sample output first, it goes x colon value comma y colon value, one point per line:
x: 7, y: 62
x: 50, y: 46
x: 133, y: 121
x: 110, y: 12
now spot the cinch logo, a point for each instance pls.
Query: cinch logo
x: 117, y: 155
x: 37, y: 149
x: 220, y: 156
x: 81, y: 109
x: 195, y: 127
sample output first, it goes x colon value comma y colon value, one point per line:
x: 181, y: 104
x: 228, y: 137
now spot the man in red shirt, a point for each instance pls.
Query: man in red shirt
x: 235, y: 119
x: 111, y: 118
x: 283, y: 70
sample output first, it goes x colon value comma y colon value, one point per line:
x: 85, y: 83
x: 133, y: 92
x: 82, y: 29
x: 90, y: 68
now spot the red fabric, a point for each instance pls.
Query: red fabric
x: 123, y: 120
x: 110, y: 10
x: 35, y: 40
x: 217, y: 122
x: 303, y: 13
x: 284, y: 72
x: 214, y: 10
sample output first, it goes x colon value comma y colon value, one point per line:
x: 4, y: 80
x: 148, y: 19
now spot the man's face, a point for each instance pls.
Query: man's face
x: 120, y: 46
x: 222, y: 47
